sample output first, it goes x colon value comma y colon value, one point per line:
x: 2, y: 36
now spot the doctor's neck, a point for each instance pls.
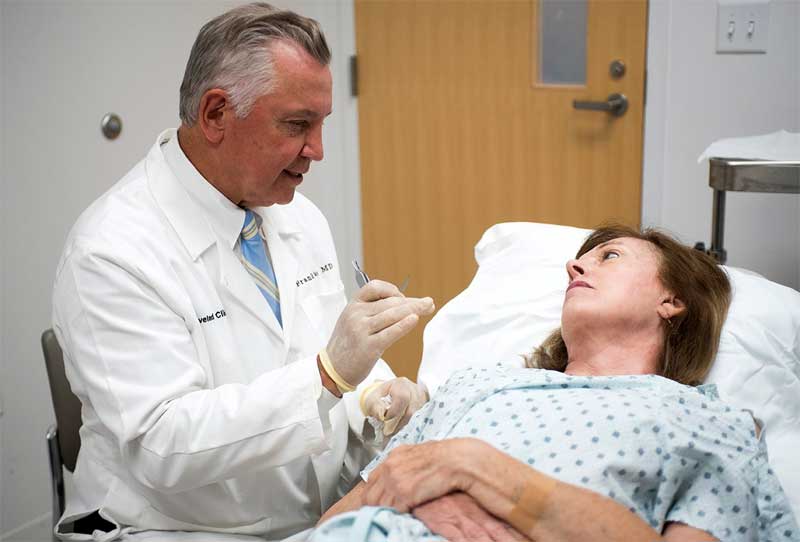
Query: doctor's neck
x: 204, y: 156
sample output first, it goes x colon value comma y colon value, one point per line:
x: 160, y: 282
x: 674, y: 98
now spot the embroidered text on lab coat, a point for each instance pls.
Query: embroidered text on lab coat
x: 211, y: 317
x: 314, y: 274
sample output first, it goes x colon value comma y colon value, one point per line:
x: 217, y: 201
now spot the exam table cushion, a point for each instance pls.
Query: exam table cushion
x: 514, y: 301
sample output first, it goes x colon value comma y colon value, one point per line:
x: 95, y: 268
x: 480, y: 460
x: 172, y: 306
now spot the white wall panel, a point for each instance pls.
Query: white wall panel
x: 695, y: 97
x: 3, y: 374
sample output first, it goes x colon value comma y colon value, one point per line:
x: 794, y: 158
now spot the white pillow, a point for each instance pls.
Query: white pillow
x: 514, y: 302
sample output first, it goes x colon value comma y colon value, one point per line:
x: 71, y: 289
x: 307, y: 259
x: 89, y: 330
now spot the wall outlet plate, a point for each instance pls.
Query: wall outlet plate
x: 742, y: 26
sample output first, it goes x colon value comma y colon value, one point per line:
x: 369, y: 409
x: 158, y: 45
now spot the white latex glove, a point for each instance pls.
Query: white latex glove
x: 378, y: 315
x: 393, y: 402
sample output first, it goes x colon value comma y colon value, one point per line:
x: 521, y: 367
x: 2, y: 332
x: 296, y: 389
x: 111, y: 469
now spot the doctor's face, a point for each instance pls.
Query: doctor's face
x: 615, y: 286
x: 272, y: 148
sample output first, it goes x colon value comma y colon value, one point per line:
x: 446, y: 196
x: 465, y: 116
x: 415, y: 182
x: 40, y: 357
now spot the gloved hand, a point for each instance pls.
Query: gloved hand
x: 404, y: 399
x: 378, y: 315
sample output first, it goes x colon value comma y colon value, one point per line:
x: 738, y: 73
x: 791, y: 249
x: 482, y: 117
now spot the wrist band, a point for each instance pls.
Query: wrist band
x: 366, y: 392
x: 340, y: 382
x: 532, y: 502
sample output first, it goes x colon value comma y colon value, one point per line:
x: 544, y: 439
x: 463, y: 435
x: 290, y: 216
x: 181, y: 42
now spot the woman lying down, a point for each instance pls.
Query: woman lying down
x: 606, y: 437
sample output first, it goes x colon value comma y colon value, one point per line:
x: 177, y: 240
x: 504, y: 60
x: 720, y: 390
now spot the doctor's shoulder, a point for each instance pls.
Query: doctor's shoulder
x: 125, y: 219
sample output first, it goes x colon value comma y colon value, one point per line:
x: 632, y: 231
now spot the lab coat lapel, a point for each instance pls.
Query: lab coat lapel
x: 241, y: 286
x: 198, y: 236
x: 285, y: 266
x: 181, y: 212
x: 284, y: 240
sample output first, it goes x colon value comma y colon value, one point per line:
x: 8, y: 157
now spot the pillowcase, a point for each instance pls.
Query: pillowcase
x: 514, y: 302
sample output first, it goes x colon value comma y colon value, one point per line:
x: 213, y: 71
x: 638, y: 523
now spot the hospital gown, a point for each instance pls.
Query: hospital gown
x: 666, y: 451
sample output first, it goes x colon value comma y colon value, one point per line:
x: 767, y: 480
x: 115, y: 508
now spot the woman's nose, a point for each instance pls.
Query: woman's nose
x: 574, y: 268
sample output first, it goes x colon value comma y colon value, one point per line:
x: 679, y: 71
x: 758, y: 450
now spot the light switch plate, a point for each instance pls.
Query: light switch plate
x: 742, y: 26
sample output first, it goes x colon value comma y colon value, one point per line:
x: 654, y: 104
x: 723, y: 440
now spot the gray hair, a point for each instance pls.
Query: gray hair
x: 232, y: 52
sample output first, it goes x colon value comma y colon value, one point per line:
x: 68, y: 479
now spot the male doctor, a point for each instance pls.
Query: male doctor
x: 203, y: 319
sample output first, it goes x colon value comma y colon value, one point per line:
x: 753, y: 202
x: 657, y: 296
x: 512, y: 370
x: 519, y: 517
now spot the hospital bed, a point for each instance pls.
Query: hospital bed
x: 514, y: 302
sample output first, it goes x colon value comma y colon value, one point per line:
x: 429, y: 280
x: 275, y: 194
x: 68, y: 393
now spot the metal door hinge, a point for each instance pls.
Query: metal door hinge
x: 644, y: 92
x: 354, y: 76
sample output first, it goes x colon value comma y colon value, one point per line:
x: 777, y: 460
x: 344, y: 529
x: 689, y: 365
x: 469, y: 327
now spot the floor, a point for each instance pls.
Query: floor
x: 36, y: 532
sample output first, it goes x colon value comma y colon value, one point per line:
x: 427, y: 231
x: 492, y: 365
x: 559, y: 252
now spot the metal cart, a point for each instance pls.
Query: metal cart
x: 745, y: 175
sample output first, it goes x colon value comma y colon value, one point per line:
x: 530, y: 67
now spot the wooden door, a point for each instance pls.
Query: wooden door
x: 457, y: 133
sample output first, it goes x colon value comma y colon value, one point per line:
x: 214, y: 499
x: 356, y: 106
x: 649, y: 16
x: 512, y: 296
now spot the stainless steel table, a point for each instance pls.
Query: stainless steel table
x: 745, y: 175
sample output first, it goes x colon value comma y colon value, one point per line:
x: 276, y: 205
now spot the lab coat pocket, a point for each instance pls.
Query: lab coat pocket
x: 128, y: 507
x: 323, y: 309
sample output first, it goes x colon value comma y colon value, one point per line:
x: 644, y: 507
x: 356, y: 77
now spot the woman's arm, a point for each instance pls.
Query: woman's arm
x: 352, y: 501
x: 543, y: 508
x: 536, y: 505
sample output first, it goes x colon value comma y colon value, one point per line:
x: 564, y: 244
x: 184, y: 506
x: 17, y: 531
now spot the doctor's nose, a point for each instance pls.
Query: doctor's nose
x: 574, y: 269
x: 313, y: 145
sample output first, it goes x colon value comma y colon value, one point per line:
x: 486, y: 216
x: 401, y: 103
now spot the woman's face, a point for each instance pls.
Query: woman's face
x: 614, y: 286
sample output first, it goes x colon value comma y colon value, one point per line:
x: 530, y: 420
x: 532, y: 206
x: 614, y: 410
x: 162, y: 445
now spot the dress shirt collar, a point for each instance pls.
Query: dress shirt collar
x: 225, y: 217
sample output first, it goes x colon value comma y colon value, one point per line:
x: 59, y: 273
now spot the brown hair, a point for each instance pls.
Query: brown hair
x: 691, y: 337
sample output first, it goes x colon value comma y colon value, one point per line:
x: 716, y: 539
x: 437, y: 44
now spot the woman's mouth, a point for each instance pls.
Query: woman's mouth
x: 577, y: 284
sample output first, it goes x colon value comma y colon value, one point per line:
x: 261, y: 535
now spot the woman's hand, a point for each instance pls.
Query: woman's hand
x: 459, y: 518
x: 413, y: 475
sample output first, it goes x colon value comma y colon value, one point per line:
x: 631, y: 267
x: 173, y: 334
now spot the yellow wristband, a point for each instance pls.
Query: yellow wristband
x: 366, y: 391
x: 340, y: 382
x: 531, y: 503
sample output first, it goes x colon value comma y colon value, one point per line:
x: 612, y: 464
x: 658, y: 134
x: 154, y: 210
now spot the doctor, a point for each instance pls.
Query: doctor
x: 203, y: 319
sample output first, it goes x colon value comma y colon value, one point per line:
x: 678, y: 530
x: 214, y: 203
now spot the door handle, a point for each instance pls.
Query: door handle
x: 616, y: 104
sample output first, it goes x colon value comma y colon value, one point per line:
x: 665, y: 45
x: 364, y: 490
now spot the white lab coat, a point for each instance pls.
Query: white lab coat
x: 201, y: 413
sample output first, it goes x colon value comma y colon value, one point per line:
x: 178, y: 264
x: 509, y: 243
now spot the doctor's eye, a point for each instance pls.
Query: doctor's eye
x: 297, y: 126
x: 610, y: 255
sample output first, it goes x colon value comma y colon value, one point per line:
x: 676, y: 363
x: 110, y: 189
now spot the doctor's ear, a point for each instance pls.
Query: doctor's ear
x: 212, y: 113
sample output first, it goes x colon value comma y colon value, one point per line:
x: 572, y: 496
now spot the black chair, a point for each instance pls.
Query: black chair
x: 63, y: 440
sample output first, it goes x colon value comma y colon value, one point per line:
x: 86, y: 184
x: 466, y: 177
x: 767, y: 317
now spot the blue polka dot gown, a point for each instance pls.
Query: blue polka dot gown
x: 667, y: 452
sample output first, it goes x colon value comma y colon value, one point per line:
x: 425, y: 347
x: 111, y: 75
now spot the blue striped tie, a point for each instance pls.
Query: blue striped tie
x: 258, y: 265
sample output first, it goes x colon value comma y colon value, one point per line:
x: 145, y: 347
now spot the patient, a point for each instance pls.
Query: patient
x: 602, y: 436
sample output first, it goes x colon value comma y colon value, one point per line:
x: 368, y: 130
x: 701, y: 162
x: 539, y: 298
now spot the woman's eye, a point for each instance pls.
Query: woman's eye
x: 610, y: 255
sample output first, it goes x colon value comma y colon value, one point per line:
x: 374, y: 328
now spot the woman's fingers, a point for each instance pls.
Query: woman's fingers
x: 458, y: 517
x: 412, y: 475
